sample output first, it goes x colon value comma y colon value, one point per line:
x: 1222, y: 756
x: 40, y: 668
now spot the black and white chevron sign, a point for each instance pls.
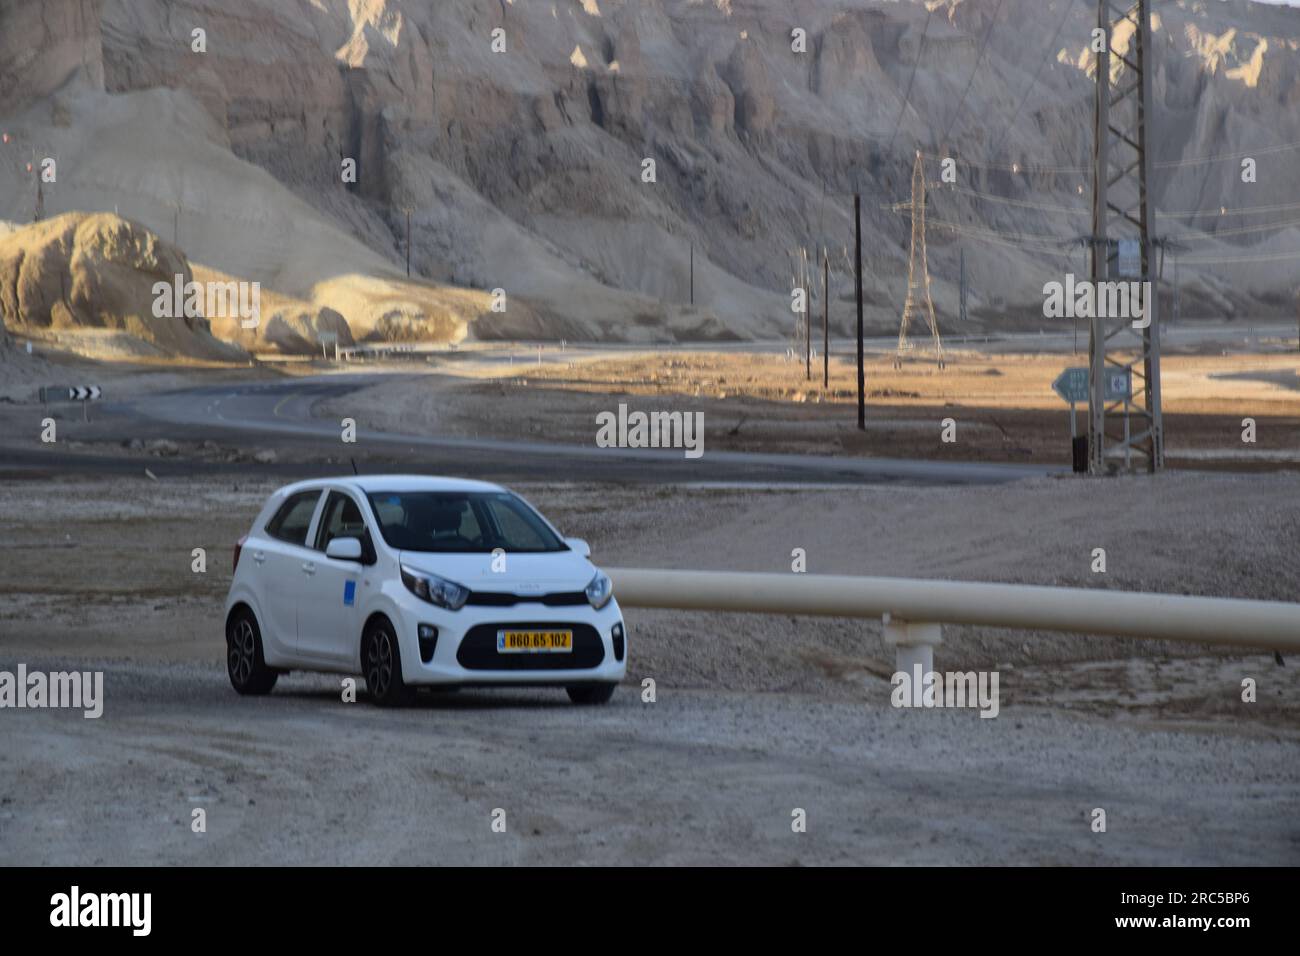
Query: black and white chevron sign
x: 71, y: 393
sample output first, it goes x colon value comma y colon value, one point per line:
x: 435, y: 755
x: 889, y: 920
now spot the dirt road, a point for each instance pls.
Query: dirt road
x: 698, y: 777
x: 754, y: 715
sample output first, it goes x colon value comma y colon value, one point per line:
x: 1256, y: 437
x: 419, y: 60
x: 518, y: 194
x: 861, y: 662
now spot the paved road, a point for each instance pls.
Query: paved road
x: 240, y: 412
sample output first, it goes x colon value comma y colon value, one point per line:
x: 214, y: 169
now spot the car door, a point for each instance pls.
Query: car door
x: 329, y: 625
x: 279, y: 553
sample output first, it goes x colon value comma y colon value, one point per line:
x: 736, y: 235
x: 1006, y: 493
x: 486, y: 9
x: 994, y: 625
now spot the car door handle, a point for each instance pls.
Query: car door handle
x: 259, y: 556
x: 309, y: 567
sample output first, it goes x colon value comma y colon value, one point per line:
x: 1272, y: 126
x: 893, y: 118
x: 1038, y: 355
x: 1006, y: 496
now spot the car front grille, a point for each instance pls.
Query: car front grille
x: 508, y: 599
x: 478, y: 649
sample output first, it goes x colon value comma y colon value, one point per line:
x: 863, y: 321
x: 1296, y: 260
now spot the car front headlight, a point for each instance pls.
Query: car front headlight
x: 435, y: 590
x: 600, y: 590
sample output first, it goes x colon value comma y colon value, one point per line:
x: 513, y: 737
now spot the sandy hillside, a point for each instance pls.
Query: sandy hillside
x: 91, y: 278
x: 153, y: 158
x: 522, y: 168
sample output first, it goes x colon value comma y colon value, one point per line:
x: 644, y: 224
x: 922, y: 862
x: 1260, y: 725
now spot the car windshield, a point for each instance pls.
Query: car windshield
x: 463, y: 522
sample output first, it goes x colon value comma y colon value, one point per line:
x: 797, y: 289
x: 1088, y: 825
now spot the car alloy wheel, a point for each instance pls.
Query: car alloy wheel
x: 244, y: 661
x: 379, y: 663
x: 242, y: 653
x: 382, y: 664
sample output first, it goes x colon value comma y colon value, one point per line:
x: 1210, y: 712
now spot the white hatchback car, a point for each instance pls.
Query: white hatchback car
x: 417, y: 581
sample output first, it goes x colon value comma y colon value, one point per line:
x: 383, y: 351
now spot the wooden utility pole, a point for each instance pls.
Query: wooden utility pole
x: 807, y: 318
x: 857, y: 271
x: 961, y: 317
x: 826, y: 317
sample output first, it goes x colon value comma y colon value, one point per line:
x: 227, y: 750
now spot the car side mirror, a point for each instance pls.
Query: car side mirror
x: 579, y: 545
x: 344, y: 549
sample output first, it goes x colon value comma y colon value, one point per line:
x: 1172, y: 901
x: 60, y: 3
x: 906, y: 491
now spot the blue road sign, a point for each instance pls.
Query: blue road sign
x: 1072, y: 384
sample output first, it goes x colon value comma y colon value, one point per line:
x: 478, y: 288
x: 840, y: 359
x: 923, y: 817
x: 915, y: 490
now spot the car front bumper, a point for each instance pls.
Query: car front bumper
x: 464, y: 652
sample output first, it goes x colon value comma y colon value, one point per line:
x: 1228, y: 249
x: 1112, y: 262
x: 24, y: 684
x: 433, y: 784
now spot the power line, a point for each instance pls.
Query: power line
x: 1009, y: 243
x: 1017, y: 167
x: 975, y: 69
x: 980, y: 232
x: 908, y: 94
x: 1051, y: 45
x: 1230, y: 211
x: 1216, y: 260
x: 1237, y: 231
x: 1245, y: 154
x: 1036, y: 240
x: 1164, y: 213
x: 1023, y: 203
x: 1172, y: 214
x: 1028, y: 167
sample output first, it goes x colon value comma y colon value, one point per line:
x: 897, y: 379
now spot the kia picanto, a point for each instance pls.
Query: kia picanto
x: 419, y: 582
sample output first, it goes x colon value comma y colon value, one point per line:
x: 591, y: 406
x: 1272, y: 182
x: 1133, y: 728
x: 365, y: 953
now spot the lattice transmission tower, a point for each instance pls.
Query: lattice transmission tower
x: 918, y: 271
x: 1125, y: 424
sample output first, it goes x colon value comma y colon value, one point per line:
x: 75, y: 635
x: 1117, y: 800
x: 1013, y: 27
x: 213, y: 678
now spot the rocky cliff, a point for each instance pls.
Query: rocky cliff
x: 518, y: 135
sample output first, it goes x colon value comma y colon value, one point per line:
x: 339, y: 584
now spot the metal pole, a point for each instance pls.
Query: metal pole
x: 1100, y: 249
x: 1151, y: 334
x: 1123, y: 214
x: 826, y: 317
x: 857, y: 269
x: 692, y: 273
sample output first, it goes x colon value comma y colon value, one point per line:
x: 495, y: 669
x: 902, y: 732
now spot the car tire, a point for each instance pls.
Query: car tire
x: 589, y: 694
x: 381, y: 661
x: 245, y: 663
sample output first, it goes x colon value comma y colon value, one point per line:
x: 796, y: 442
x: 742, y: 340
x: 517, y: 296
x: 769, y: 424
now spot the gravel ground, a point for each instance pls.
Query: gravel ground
x: 1001, y: 402
x: 698, y: 777
x: 755, y: 715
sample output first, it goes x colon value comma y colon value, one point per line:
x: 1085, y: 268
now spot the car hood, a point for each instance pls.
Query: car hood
x: 521, y: 574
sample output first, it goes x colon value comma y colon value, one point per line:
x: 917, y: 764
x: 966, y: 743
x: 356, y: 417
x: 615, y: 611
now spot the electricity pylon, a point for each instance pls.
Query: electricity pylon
x: 918, y: 270
x: 1122, y: 351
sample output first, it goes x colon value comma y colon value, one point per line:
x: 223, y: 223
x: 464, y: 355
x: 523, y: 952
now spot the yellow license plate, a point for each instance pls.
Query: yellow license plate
x: 534, y: 642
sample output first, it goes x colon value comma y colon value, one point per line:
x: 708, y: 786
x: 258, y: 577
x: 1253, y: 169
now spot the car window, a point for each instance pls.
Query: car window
x: 514, y: 527
x: 341, y: 519
x: 461, y: 522
x: 293, y: 519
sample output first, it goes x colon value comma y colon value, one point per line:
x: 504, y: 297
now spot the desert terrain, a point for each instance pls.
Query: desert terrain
x: 1001, y: 401
x: 473, y: 228
x: 764, y: 714
x: 318, y: 148
x: 97, y: 573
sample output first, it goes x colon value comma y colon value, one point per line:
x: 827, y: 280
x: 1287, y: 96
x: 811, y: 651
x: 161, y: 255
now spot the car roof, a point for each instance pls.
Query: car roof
x: 372, y: 483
